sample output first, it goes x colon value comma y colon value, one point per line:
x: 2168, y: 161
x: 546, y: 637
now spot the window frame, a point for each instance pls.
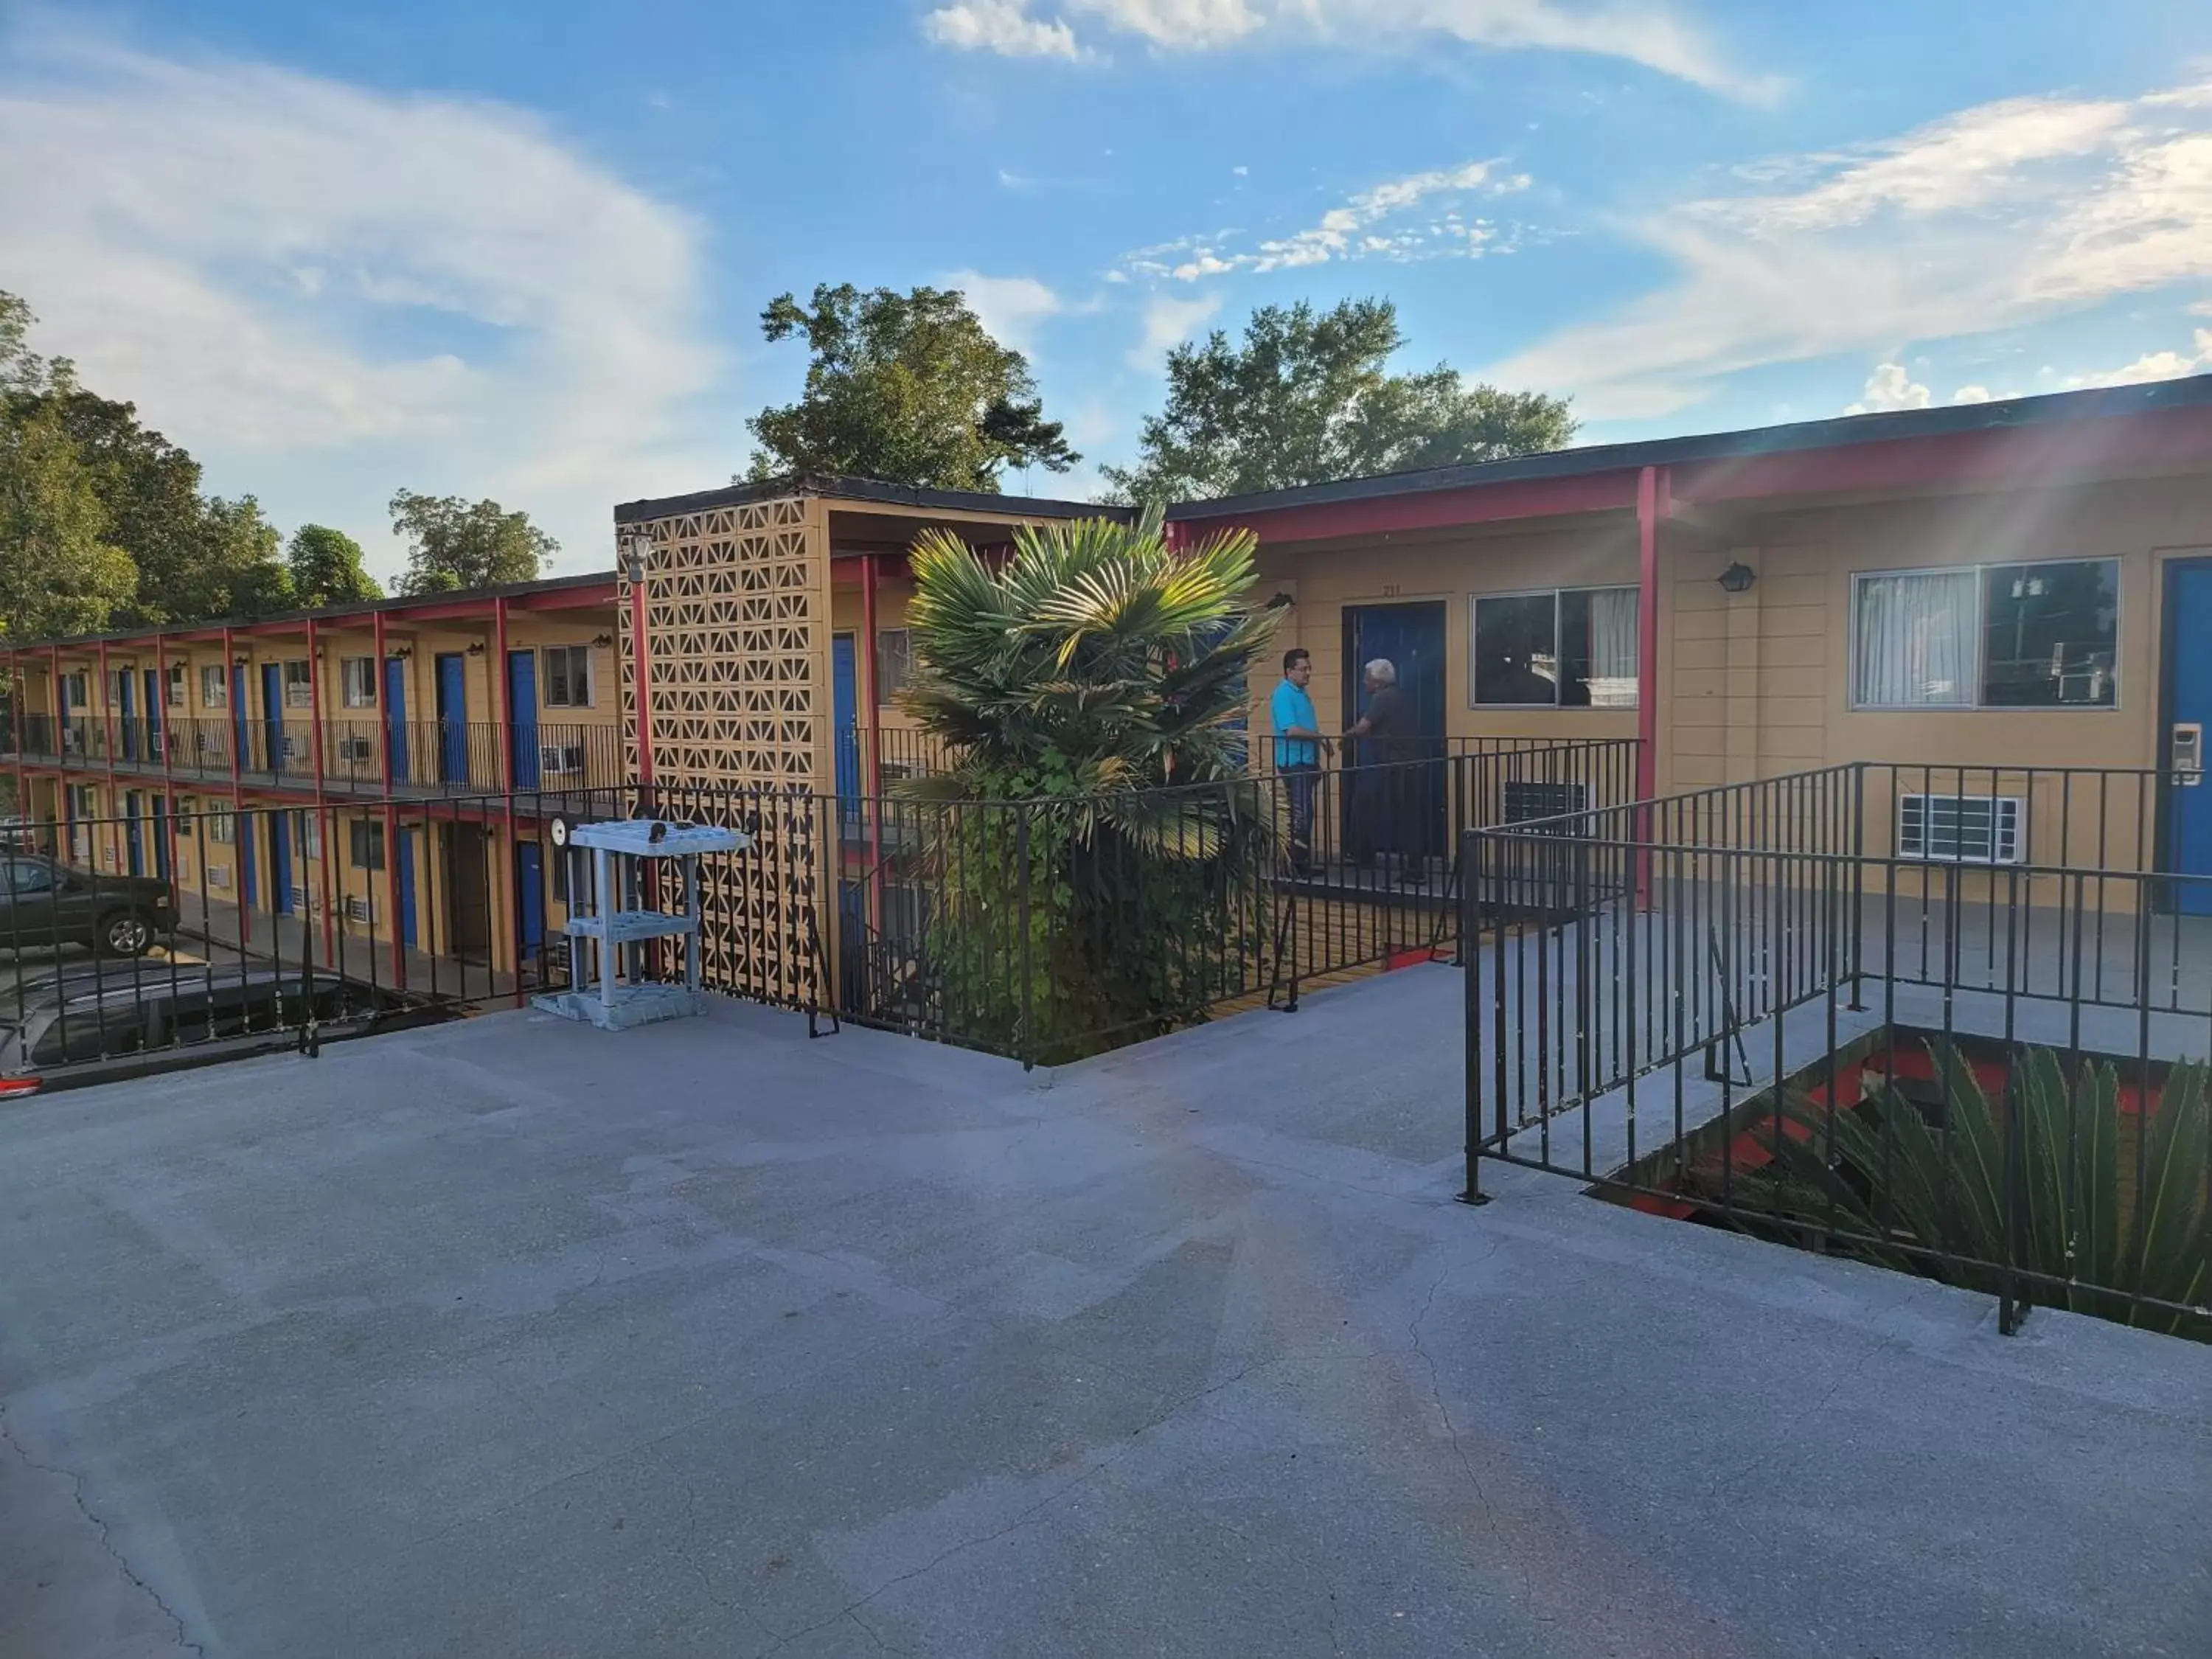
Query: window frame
x: 883, y: 692
x: 302, y: 683
x: 575, y: 653
x: 346, y: 690
x: 177, y: 690
x: 1979, y: 572
x: 213, y: 675
x: 369, y: 834
x: 1474, y: 605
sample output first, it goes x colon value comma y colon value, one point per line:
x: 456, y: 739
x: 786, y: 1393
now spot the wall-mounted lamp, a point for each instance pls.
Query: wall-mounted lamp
x: 1281, y: 601
x: 476, y: 647
x: 636, y: 551
x: 400, y: 653
x: 603, y: 641
x: 1738, y: 578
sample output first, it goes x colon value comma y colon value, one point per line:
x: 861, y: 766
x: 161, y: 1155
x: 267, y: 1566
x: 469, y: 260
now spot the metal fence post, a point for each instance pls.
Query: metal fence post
x: 1024, y: 1048
x: 1470, y: 862
x: 1857, y: 1003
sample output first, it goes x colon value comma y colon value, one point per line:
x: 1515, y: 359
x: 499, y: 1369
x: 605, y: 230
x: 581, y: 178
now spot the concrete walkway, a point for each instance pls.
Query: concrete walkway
x: 514, y: 1338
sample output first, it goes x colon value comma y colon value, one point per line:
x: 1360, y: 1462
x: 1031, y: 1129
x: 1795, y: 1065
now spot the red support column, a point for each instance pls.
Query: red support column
x: 1651, y: 506
x: 108, y: 725
x: 502, y: 694
x: 233, y: 697
x: 63, y: 850
x: 392, y: 894
x: 641, y: 661
x: 872, y: 779
x: 168, y: 723
x: 382, y: 706
x: 322, y: 821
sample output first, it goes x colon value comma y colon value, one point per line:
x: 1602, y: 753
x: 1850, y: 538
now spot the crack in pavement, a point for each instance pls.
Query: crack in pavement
x: 107, y: 1538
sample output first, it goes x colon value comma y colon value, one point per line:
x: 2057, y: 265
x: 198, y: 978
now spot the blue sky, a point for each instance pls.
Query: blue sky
x: 520, y: 249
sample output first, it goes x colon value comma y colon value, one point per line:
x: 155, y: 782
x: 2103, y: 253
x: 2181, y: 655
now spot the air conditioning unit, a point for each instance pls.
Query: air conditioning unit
x: 218, y: 875
x: 1961, y: 828
x: 557, y: 758
x: 360, y: 910
x: 357, y: 752
x: 306, y: 899
x: 295, y: 749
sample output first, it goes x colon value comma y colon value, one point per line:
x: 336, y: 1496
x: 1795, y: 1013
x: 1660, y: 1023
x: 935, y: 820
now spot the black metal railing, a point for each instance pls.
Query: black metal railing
x: 1888, y: 1011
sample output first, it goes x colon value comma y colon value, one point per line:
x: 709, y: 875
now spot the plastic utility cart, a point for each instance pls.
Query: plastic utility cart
x: 623, y: 851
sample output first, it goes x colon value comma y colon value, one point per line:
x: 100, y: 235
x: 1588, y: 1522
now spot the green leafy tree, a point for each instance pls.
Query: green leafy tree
x: 59, y: 575
x: 451, y: 544
x: 325, y: 566
x: 1307, y: 400
x: 906, y: 387
x: 1073, y: 686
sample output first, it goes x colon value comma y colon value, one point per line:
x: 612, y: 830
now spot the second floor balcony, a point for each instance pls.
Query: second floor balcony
x: 362, y: 757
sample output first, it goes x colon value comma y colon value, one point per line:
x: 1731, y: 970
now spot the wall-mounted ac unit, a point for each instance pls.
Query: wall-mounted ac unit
x: 218, y: 875
x: 360, y: 910
x: 1961, y: 828
x: 356, y: 751
x: 306, y: 899
x: 295, y: 749
x: 561, y: 758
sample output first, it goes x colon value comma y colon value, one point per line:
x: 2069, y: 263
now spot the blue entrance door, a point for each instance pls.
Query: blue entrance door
x: 522, y: 716
x: 395, y: 716
x: 126, y: 715
x: 153, y: 716
x: 134, y: 832
x: 452, y: 718
x: 162, y: 837
x: 529, y: 895
x: 405, y: 854
x: 279, y: 864
x: 1406, y: 804
x: 272, y: 713
x: 845, y: 707
x: 240, y: 730
x: 2189, y: 717
x: 245, y: 827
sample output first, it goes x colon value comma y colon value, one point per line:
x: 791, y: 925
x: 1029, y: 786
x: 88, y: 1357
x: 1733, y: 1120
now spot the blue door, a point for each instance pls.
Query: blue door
x: 279, y: 864
x: 522, y: 715
x: 405, y: 854
x: 241, y: 732
x: 2189, y: 710
x: 529, y: 895
x: 452, y: 718
x: 395, y: 716
x: 1406, y: 804
x: 126, y: 716
x: 162, y: 837
x: 133, y: 833
x: 845, y: 706
x: 272, y: 713
x: 245, y: 827
x: 153, y: 716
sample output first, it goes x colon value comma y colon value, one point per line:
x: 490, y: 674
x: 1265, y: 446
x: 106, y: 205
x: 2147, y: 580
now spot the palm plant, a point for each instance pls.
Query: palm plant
x: 1095, y: 816
x: 2042, y: 1184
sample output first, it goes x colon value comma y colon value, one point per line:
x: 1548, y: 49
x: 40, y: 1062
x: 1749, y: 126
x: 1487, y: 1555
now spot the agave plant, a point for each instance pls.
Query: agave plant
x: 2099, y: 1229
x: 1096, y: 677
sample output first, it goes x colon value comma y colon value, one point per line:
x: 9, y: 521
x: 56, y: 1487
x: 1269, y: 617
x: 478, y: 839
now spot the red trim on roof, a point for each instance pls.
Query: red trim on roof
x: 1530, y: 498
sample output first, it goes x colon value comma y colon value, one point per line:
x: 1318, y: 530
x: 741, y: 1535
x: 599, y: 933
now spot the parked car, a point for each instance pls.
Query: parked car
x: 89, y: 1012
x: 43, y: 901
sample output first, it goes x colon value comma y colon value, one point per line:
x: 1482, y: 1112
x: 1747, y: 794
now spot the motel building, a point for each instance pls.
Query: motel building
x: 1971, y: 597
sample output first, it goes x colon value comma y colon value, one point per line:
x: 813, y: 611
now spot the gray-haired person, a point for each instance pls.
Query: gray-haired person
x: 1384, y: 731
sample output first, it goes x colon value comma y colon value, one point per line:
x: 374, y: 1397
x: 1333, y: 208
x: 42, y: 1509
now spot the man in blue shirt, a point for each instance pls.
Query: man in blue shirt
x: 1298, y: 743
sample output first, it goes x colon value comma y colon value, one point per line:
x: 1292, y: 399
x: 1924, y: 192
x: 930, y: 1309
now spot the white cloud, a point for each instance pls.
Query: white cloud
x: 1347, y: 232
x: 999, y: 26
x: 1010, y: 307
x: 2154, y: 365
x: 1644, y: 32
x: 1168, y: 321
x: 1971, y: 394
x: 1889, y: 387
x: 328, y: 293
x: 2005, y: 215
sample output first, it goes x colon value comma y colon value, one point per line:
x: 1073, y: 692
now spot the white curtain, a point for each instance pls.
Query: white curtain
x: 1916, y: 641
x: 1613, y: 649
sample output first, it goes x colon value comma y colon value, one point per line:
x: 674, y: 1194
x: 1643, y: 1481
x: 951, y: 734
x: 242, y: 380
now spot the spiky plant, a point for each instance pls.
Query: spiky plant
x: 2099, y: 1227
x: 1097, y: 678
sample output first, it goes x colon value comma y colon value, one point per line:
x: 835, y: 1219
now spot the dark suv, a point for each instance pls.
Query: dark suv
x: 43, y: 903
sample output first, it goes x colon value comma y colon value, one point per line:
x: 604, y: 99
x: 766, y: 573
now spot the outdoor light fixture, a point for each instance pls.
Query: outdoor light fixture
x: 1738, y: 578
x: 603, y: 641
x: 476, y: 647
x: 1282, y: 601
x: 636, y: 549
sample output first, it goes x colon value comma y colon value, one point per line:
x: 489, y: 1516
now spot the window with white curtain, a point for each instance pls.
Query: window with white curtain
x: 1572, y: 648
x: 1984, y: 636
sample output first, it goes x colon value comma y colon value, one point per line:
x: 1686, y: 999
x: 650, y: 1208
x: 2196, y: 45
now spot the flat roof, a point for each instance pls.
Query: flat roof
x: 834, y: 488
x: 325, y: 613
x: 1840, y: 432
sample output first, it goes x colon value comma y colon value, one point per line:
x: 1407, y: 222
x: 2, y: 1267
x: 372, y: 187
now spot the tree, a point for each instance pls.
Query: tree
x: 451, y: 544
x: 1069, y: 684
x: 1307, y: 401
x: 906, y: 387
x: 326, y: 565
x: 59, y: 576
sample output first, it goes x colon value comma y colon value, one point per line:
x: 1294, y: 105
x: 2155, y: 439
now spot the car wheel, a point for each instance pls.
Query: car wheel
x: 126, y: 934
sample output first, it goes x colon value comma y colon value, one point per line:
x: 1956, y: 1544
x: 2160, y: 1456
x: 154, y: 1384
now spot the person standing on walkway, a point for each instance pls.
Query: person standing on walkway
x: 1298, y: 743
x: 1378, y: 805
